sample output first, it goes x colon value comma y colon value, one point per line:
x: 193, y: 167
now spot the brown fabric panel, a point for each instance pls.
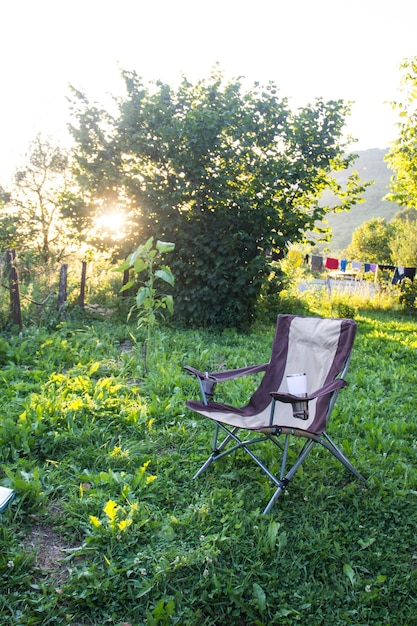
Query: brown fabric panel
x: 272, y: 379
x: 346, y: 339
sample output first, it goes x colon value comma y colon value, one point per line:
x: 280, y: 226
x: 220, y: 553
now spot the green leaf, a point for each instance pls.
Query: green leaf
x: 286, y: 612
x: 349, y: 573
x: 148, y: 244
x: 380, y: 579
x: 260, y: 597
x: 139, y: 593
x: 137, y: 253
x: 124, y: 266
x: 169, y: 301
x: 282, y: 540
x: 141, y: 296
x: 365, y: 543
x: 272, y: 534
x: 139, y: 265
x: 165, y: 246
x: 166, y: 275
x: 127, y: 286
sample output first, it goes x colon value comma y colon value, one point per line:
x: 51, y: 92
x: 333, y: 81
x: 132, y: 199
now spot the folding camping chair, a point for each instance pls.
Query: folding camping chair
x: 320, y: 349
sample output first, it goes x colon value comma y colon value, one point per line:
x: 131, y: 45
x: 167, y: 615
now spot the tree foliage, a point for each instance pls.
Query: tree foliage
x: 370, y: 242
x: 402, y: 157
x: 8, y: 225
x: 227, y: 174
x: 403, y: 240
x: 31, y: 218
x: 392, y: 243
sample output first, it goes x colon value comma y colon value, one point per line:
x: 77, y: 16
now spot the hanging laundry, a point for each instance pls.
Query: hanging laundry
x: 343, y: 265
x: 356, y: 265
x: 331, y: 264
x: 396, y: 278
x: 316, y: 263
x: 398, y: 275
x: 374, y: 267
x: 277, y: 255
x: 366, y: 267
x: 410, y: 272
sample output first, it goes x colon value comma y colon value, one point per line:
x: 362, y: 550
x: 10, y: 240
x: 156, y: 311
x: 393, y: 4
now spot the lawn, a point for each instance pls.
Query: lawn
x: 108, y: 527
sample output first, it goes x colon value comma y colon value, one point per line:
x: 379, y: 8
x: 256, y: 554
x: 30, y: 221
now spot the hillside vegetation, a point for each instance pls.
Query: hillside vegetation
x: 371, y: 167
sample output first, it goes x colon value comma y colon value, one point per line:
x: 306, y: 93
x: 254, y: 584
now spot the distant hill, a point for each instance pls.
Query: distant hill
x: 371, y: 167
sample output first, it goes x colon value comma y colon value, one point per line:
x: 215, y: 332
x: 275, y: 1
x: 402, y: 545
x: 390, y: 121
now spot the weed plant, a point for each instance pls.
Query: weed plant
x: 108, y: 527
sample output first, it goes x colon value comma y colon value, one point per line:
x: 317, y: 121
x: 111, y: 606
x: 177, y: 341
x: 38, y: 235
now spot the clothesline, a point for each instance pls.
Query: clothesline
x: 318, y: 263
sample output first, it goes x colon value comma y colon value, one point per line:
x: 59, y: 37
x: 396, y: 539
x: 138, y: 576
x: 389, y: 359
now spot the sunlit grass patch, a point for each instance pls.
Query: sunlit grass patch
x: 104, y: 458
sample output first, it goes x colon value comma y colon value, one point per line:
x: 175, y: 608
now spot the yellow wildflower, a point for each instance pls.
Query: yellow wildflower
x: 110, y: 510
x: 95, y: 521
x: 125, y: 523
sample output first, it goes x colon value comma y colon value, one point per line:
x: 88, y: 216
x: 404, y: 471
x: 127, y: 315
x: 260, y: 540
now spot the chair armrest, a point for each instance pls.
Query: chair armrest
x: 326, y: 389
x: 207, y: 381
x: 227, y: 374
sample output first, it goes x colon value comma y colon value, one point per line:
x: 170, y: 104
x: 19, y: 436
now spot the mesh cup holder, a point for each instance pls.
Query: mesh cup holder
x: 209, y: 385
x: 300, y: 409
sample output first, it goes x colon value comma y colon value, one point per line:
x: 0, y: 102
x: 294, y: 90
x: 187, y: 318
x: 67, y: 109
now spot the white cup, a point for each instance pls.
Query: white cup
x: 297, y: 384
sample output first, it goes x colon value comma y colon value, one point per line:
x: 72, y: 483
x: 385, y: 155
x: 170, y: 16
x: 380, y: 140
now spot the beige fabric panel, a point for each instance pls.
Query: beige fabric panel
x: 311, y: 353
x: 255, y: 421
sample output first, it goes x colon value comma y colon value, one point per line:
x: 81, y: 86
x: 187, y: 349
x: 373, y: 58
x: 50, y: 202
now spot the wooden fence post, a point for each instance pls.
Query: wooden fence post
x: 126, y: 276
x: 11, y: 270
x: 81, y: 300
x: 62, y: 290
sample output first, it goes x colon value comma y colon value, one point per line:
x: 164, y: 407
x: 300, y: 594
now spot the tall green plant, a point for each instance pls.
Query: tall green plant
x: 149, y: 301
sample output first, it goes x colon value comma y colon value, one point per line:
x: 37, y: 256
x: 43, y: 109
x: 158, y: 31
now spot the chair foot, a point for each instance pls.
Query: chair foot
x: 206, y: 465
x: 278, y: 492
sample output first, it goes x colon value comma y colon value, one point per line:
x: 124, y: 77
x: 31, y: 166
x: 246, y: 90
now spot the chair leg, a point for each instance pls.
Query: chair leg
x: 244, y: 445
x: 213, y: 455
x: 285, y: 477
x: 205, y: 465
x: 272, y: 500
x: 219, y: 450
x: 332, y: 447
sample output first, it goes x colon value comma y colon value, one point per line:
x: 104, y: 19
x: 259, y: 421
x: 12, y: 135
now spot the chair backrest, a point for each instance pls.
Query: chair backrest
x: 318, y: 347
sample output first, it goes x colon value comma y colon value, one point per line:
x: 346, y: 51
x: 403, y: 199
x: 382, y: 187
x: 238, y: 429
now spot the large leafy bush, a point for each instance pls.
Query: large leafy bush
x: 225, y: 173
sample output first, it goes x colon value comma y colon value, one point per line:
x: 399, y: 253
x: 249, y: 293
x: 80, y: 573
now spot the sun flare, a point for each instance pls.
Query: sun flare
x: 111, y: 225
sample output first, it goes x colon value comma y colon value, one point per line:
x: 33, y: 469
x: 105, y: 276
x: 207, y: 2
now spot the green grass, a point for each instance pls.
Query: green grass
x: 108, y: 527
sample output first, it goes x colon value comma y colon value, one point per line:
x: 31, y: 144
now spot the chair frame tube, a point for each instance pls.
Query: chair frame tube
x: 219, y: 448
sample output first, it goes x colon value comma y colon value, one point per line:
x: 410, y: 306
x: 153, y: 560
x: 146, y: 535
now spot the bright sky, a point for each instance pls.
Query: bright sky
x: 348, y: 49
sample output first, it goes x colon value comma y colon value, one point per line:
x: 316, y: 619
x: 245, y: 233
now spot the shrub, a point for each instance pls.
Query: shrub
x: 345, y: 310
x: 408, y: 294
